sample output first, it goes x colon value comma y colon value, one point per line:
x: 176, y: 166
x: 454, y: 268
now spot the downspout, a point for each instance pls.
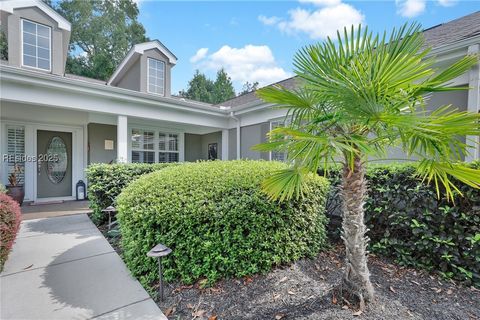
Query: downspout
x: 232, y: 115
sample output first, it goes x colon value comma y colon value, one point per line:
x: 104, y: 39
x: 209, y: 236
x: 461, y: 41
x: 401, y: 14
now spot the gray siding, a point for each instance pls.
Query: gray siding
x: 97, y: 134
x: 60, y: 38
x: 215, y: 137
x: 232, y: 144
x: 252, y: 135
x: 193, y: 147
x: 131, y: 79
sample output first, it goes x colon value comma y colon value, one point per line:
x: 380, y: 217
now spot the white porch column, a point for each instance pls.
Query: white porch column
x: 474, y: 101
x: 225, y: 144
x: 122, y: 139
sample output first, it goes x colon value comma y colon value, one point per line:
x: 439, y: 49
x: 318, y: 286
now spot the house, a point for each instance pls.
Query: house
x: 54, y: 124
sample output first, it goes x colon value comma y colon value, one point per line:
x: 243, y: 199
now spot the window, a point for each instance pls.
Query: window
x: 277, y: 155
x: 16, y: 150
x: 36, y: 42
x: 156, y: 76
x: 149, y: 146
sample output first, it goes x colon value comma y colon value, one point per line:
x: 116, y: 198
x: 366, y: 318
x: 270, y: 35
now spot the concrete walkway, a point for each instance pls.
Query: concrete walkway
x: 63, y: 268
x: 48, y: 210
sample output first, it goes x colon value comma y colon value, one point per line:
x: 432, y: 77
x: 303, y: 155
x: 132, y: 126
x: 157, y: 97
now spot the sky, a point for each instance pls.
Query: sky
x: 257, y: 40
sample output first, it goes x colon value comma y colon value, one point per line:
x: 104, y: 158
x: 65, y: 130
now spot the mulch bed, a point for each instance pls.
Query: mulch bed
x: 304, y: 290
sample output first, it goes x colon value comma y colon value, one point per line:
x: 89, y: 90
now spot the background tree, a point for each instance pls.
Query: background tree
x: 222, y: 87
x: 359, y: 98
x: 248, y: 87
x: 200, y: 88
x: 102, y: 33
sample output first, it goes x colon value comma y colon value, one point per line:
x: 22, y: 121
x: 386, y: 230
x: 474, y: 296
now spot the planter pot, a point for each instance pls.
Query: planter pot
x: 17, y: 193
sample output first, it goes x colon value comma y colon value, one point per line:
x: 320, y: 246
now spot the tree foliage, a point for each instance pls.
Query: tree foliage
x: 102, y: 33
x: 248, y: 87
x: 200, y: 88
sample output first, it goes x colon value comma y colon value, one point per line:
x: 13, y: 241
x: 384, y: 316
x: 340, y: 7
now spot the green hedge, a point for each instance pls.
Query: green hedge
x: 408, y: 222
x: 217, y: 221
x: 106, y: 181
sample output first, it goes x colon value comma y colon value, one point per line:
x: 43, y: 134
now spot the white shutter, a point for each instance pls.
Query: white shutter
x: 16, y: 150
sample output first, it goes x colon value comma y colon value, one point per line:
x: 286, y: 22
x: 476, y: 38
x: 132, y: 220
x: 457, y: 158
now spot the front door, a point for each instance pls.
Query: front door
x: 54, y: 164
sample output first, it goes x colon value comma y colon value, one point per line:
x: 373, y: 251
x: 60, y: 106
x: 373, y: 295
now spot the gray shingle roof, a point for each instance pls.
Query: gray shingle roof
x: 446, y: 33
x: 453, y: 31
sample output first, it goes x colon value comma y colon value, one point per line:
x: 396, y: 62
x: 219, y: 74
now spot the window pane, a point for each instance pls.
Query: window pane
x: 43, y: 64
x: 30, y: 50
x: 43, y: 31
x: 151, y: 88
x: 43, y: 53
x: 29, y: 61
x: 149, y: 157
x: 29, y: 27
x: 29, y: 39
x: 173, y: 157
x: 161, y: 141
x: 136, y: 136
x: 172, y: 142
x: 148, y: 140
x: 162, y: 157
x: 43, y: 42
x: 143, y: 157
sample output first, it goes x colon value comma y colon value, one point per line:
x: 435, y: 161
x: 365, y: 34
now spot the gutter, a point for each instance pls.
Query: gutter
x: 232, y: 115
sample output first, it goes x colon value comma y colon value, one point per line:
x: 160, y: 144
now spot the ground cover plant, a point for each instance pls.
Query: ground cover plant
x: 357, y: 98
x: 106, y: 181
x: 10, y: 217
x: 217, y: 221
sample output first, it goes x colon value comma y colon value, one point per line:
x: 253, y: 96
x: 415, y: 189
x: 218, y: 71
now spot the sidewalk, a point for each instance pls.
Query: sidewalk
x: 63, y: 268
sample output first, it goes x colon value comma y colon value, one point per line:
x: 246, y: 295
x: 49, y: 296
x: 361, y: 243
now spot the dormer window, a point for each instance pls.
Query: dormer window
x: 156, y: 76
x: 36, y: 44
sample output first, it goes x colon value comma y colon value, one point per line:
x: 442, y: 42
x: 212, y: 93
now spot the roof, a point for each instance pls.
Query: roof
x: 453, y: 31
x: 10, y: 5
x: 250, y: 97
x: 136, y: 51
x: 446, y: 33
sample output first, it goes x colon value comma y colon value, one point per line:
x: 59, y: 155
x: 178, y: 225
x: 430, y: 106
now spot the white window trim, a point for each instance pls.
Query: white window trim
x: 148, y: 76
x: 49, y: 45
x: 156, y: 149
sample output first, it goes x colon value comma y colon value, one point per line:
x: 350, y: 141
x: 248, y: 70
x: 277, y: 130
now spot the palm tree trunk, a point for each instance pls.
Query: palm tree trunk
x: 356, y: 280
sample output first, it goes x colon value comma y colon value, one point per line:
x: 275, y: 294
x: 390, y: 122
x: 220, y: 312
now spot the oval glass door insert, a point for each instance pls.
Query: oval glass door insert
x: 57, y: 160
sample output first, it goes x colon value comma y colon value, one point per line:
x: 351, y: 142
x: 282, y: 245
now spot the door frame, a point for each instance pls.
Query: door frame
x: 75, y: 160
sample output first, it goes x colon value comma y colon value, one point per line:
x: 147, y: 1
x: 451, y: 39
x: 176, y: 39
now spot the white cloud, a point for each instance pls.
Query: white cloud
x: 249, y: 63
x: 410, y: 8
x: 268, y: 21
x: 323, y: 22
x: 447, y: 3
x: 322, y: 3
x: 199, y: 55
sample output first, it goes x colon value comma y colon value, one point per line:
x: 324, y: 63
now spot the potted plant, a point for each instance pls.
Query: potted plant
x: 15, y: 188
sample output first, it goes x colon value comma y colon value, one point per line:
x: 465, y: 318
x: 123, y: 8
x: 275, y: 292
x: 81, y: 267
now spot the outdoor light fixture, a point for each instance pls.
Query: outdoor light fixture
x: 159, y: 251
x: 109, y: 210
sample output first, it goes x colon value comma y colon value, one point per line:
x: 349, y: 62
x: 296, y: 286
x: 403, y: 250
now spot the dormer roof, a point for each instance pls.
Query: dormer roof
x: 135, y: 52
x: 10, y: 5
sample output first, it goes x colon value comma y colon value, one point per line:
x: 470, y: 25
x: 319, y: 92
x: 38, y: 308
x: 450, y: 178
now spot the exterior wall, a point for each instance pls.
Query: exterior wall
x: 252, y: 135
x: 214, y: 137
x: 232, y: 144
x: 193, y: 147
x: 131, y: 79
x: 97, y: 134
x: 59, y: 38
x: 155, y: 54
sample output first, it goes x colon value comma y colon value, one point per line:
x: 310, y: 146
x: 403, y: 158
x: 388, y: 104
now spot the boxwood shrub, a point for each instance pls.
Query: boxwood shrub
x: 217, y: 221
x: 10, y: 217
x: 106, y: 181
x: 409, y: 223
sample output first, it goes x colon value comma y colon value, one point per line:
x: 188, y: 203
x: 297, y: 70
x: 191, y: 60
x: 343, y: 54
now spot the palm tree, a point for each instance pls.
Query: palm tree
x: 358, y: 98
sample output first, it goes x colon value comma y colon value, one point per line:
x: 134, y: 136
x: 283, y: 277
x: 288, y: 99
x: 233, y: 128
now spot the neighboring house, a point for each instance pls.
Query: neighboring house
x: 68, y: 122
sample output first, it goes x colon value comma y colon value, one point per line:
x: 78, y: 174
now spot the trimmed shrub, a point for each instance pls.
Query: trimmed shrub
x: 217, y: 221
x: 106, y: 181
x: 10, y: 217
x: 409, y: 223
